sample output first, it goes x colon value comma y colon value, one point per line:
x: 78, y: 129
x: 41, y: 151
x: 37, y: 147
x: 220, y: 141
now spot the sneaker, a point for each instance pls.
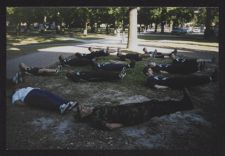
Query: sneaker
x: 61, y: 60
x: 187, y: 102
x: 59, y: 69
x: 72, y: 77
x: 15, y: 79
x: 214, y: 76
x: 63, y: 108
x: 122, y: 73
x: 72, y: 104
x: 20, y: 77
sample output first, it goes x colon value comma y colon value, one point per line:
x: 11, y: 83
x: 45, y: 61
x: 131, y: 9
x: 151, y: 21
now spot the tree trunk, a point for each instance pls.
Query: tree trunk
x: 208, y: 31
x: 18, y: 29
x: 85, y: 28
x: 107, y: 29
x: 28, y: 26
x: 132, y: 34
x: 156, y: 27
x: 92, y: 27
x: 162, y: 27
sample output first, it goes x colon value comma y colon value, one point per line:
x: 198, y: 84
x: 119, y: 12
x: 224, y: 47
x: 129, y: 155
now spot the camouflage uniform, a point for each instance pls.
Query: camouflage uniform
x: 135, y: 113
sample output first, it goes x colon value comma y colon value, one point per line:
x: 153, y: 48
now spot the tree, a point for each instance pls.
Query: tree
x: 144, y: 17
x: 163, y: 18
x: 179, y: 16
x: 211, y: 17
x: 132, y: 34
x: 155, y: 16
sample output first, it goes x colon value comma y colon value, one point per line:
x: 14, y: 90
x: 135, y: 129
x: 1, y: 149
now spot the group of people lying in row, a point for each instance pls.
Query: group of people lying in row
x: 112, y: 70
x: 110, y: 117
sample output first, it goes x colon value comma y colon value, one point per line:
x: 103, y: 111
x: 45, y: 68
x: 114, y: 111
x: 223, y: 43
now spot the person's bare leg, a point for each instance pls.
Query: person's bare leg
x: 23, y: 67
x: 112, y: 126
x: 48, y: 71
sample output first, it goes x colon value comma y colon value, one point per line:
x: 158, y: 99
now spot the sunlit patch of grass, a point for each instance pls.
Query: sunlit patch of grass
x: 177, y: 38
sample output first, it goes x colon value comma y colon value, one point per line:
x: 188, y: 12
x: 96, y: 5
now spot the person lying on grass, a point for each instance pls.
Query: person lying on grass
x: 75, y: 61
x: 39, y: 98
x: 38, y: 70
x: 113, y: 65
x: 177, y: 81
x: 102, y: 52
x: 116, y: 116
x: 96, y: 76
x: 156, y: 54
x: 83, y: 59
x: 123, y: 57
x: 180, y: 66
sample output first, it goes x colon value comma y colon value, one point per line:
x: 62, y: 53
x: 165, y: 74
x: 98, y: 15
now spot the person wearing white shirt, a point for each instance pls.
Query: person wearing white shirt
x: 42, y: 99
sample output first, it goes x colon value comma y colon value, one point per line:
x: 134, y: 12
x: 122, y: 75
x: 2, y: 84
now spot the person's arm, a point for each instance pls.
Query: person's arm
x: 112, y: 126
x: 160, y: 87
x: 105, y: 125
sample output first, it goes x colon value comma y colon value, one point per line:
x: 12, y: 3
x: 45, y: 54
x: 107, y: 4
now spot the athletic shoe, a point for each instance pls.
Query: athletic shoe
x: 187, y: 102
x: 63, y: 108
x: 59, y: 69
x: 18, y: 78
x: 61, y: 60
x: 67, y: 107
x: 72, y: 77
x: 122, y: 73
x: 214, y: 76
x: 15, y: 79
x: 72, y: 104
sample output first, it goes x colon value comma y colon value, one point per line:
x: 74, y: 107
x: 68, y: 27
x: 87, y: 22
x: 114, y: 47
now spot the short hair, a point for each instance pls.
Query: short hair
x: 89, y: 48
x: 144, y: 49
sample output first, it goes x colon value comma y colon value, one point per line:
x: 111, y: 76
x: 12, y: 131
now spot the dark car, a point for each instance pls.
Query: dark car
x: 179, y: 31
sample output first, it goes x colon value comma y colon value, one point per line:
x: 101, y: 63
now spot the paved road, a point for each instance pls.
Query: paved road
x: 48, y: 56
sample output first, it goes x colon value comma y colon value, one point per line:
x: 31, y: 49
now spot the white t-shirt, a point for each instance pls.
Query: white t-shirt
x: 21, y: 94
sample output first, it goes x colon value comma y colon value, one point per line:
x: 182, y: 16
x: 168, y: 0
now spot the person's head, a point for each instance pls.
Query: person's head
x: 107, y: 49
x: 119, y: 53
x: 145, y: 50
x: 175, y: 51
x: 85, y: 111
x: 78, y: 54
x: 23, y: 67
x: 148, y: 71
x: 174, y: 54
x: 90, y: 49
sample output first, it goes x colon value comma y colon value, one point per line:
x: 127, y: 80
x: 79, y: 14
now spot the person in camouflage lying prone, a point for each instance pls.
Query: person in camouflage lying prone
x: 111, y: 117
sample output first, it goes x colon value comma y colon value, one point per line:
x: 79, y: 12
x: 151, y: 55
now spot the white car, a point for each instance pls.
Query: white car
x: 196, y: 30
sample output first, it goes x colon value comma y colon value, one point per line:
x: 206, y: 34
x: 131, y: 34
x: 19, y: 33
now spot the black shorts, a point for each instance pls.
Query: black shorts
x: 33, y: 70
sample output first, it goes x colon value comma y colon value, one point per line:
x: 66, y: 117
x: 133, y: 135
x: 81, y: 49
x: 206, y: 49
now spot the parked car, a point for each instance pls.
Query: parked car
x: 196, y: 30
x: 179, y: 31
